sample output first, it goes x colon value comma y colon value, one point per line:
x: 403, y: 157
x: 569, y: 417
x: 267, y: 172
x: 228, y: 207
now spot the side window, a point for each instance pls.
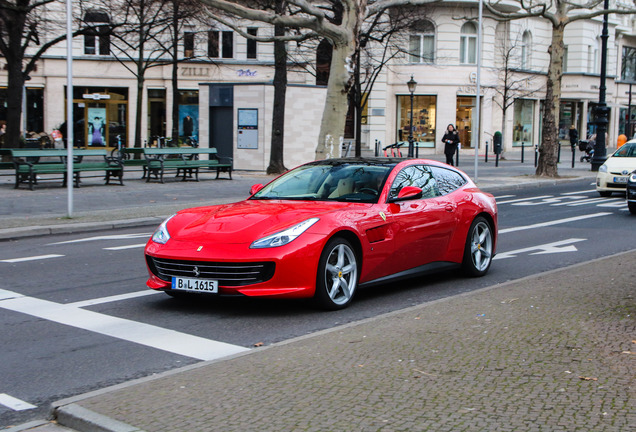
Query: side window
x: 447, y: 180
x: 420, y: 176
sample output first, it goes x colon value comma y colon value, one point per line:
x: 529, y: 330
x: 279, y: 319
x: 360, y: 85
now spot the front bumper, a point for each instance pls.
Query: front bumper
x: 611, y: 182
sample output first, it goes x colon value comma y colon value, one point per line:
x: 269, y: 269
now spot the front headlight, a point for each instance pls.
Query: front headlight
x: 284, y: 237
x: 632, y: 177
x: 162, y: 235
x: 602, y: 168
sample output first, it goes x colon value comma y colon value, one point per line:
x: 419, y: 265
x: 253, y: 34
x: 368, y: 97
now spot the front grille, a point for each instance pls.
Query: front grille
x: 226, y: 273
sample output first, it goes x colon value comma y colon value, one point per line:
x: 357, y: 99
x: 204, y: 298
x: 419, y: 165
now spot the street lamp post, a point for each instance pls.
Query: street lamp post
x: 411, y: 85
x: 601, y: 111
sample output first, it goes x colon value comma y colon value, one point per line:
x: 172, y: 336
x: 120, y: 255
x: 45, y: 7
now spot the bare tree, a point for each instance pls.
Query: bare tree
x: 23, y: 25
x: 141, y: 41
x: 559, y: 13
x: 513, y: 83
x: 344, y: 36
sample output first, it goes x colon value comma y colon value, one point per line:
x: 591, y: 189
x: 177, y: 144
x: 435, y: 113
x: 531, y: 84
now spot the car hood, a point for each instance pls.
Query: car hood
x: 249, y: 220
x: 620, y: 164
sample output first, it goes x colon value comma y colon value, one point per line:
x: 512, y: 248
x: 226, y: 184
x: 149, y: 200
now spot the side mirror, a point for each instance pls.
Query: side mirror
x: 255, y: 188
x: 408, y: 193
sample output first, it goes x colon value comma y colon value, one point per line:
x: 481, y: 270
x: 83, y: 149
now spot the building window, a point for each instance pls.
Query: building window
x: 422, y: 42
x: 97, y: 37
x: 188, y: 44
x: 251, y: 43
x: 468, y: 44
x: 526, y: 50
x: 220, y: 42
x: 628, y: 64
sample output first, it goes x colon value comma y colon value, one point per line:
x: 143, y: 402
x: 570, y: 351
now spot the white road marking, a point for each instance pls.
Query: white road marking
x: 579, y: 192
x: 131, y: 331
x: 504, y: 196
x: 31, y: 258
x: 108, y: 237
x: 116, y: 248
x: 551, y: 223
x: 525, y: 199
x: 14, y: 403
x: 548, y: 248
x: 110, y: 299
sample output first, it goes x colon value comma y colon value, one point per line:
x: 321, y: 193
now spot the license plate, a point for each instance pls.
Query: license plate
x: 195, y: 285
x: 620, y: 179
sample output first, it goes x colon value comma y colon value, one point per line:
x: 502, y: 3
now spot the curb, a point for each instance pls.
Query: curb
x: 82, y: 419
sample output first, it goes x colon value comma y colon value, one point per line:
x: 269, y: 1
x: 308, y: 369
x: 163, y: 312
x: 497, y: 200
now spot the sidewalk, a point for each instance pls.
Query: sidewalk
x: 549, y: 352
x: 96, y: 206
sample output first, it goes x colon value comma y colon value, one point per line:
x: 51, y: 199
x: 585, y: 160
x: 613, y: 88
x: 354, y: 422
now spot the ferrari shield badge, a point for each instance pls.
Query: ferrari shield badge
x: 199, y: 248
x: 383, y: 216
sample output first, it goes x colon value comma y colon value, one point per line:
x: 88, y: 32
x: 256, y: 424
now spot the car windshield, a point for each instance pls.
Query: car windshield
x: 329, y: 181
x: 627, y: 150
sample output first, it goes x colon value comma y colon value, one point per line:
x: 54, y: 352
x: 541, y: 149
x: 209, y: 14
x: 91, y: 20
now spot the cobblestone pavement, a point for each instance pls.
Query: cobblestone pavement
x: 555, y: 352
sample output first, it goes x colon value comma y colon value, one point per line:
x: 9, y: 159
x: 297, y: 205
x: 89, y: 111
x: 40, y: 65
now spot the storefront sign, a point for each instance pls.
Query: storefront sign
x: 195, y: 71
x: 246, y: 73
x: 96, y: 96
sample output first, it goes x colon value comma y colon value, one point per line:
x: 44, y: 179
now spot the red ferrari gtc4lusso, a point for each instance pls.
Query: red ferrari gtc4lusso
x: 326, y: 228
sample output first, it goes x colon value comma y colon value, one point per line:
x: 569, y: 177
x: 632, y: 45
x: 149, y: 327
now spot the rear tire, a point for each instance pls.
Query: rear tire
x: 337, y: 277
x: 479, y: 248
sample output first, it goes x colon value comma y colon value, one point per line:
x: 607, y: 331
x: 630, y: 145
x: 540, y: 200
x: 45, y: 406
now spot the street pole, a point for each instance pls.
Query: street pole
x: 411, y: 85
x: 476, y: 127
x: 69, y: 106
x: 601, y: 111
x: 628, y: 126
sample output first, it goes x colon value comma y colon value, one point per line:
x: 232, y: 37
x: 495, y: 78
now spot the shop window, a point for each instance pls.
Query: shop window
x: 251, y: 43
x: 188, y: 44
x: 468, y: 44
x: 523, y: 122
x: 422, y: 42
x: 526, y: 50
x: 188, y: 114
x: 97, y: 37
x: 220, y: 44
x: 424, y: 118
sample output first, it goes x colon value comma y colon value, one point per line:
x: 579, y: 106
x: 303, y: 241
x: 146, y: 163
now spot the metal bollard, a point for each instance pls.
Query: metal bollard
x: 486, y: 156
x: 377, y: 148
x: 573, y: 154
x: 559, y: 153
x: 536, y: 155
x: 523, y: 146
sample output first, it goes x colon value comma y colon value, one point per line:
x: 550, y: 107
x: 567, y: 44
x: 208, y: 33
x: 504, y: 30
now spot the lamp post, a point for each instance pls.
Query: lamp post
x: 601, y: 111
x: 411, y: 85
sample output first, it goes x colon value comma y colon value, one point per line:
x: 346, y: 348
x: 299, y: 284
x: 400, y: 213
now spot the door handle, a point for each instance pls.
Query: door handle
x: 450, y: 208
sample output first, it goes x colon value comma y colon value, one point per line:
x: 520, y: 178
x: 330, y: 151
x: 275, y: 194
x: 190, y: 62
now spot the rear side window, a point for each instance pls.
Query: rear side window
x: 447, y: 180
x: 420, y: 176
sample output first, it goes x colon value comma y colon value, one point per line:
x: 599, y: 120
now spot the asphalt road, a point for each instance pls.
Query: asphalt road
x: 71, y: 283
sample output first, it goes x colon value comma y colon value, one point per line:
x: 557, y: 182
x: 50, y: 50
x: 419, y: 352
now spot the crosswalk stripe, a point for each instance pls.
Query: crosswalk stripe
x: 131, y: 331
x: 14, y: 403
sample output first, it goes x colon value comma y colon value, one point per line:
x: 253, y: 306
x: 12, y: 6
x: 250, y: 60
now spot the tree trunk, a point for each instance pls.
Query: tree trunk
x: 276, y: 160
x: 548, y: 152
x: 14, y: 105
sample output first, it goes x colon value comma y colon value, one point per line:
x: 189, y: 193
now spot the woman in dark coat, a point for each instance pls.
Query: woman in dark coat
x: 450, y: 140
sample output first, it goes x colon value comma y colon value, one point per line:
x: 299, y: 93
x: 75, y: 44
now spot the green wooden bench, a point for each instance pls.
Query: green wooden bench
x: 185, y: 161
x: 29, y: 163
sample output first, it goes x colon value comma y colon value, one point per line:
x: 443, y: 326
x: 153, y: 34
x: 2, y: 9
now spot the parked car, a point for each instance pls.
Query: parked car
x: 613, y: 174
x: 327, y: 228
x: 631, y: 193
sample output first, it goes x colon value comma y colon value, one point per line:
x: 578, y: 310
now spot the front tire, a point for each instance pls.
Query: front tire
x: 337, y: 277
x: 478, y: 252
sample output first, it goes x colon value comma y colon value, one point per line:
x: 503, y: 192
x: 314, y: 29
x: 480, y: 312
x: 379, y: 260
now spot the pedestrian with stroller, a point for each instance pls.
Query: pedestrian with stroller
x: 450, y: 140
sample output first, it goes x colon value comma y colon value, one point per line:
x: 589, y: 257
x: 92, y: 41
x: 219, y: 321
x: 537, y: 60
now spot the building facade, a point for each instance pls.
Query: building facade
x: 225, y: 90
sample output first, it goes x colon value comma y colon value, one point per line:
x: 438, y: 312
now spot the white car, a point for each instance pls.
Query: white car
x: 613, y: 174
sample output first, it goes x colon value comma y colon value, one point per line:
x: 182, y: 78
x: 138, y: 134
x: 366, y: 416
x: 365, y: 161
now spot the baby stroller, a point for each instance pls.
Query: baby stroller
x: 587, y: 146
